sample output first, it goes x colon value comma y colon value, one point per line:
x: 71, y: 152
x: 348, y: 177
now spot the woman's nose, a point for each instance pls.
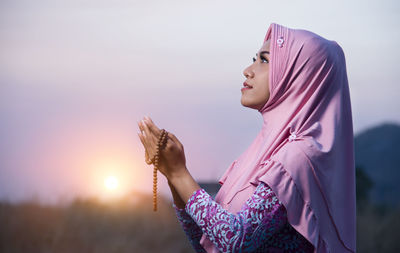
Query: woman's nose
x: 247, y: 72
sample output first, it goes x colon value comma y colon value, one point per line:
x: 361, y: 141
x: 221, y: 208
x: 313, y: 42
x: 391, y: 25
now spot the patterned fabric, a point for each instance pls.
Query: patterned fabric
x: 193, y: 232
x: 260, y: 225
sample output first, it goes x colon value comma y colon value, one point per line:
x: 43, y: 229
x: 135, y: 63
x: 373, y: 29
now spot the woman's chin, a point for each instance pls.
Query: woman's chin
x: 243, y: 102
x: 246, y: 104
x: 254, y: 106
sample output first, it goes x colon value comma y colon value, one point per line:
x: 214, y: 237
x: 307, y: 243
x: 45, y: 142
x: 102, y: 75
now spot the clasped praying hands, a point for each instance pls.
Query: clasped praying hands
x: 172, y: 161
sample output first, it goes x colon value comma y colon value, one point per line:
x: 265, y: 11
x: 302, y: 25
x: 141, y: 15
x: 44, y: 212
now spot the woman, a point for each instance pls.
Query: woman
x: 293, y: 189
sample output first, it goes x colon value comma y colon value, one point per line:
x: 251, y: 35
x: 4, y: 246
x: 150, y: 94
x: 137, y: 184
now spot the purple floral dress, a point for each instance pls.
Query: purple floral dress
x: 259, y: 226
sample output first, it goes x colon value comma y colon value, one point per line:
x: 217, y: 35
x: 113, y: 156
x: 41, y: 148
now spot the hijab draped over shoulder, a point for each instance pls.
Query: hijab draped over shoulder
x: 304, y: 150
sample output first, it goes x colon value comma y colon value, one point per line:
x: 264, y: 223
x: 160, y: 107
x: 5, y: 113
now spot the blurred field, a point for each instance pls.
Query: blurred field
x: 90, y: 226
x: 378, y: 229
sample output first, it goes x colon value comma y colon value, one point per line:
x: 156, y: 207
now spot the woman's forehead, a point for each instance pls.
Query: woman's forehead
x: 266, y: 45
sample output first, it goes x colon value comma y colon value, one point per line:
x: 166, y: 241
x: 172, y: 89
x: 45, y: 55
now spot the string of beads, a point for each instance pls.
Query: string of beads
x: 162, y: 141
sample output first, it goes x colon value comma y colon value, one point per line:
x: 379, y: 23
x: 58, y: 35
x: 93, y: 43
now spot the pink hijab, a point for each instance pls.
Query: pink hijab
x: 304, y: 150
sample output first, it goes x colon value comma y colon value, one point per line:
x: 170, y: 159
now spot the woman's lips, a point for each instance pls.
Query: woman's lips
x: 246, y: 86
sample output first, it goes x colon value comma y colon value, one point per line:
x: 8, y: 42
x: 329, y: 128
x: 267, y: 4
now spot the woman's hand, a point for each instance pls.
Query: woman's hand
x: 172, y: 161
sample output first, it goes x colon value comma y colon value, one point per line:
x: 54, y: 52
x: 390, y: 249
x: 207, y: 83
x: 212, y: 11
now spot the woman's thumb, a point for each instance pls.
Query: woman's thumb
x: 173, y: 137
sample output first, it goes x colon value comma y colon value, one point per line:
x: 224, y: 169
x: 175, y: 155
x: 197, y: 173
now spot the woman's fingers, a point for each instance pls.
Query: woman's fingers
x: 152, y: 127
x: 152, y: 135
x: 142, y: 135
x: 147, y: 135
x: 144, y: 138
x: 141, y: 139
x: 146, y: 154
x: 140, y: 126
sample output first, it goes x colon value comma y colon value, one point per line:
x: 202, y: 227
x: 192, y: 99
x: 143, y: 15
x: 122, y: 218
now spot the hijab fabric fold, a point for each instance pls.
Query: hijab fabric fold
x: 304, y: 150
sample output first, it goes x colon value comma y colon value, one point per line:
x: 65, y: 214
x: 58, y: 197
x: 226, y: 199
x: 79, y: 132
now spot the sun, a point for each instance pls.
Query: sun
x: 111, y: 183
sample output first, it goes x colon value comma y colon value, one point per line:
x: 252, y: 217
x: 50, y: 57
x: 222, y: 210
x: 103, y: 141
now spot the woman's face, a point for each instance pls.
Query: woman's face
x: 257, y: 76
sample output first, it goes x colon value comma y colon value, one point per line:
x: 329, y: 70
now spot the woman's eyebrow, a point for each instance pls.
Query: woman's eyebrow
x: 263, y: 52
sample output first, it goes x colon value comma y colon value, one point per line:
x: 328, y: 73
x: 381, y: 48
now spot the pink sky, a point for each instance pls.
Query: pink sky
x: 75, y: 78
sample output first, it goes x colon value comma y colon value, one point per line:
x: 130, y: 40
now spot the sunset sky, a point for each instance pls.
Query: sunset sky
x: 76, y: 76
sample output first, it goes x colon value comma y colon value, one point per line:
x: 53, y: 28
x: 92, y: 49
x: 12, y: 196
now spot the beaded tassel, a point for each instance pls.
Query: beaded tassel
x: 162, y: 140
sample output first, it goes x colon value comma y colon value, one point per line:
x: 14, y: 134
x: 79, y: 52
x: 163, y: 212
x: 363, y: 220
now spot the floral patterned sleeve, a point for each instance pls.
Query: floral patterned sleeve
x: 261, y: 216
x: 192, y: 230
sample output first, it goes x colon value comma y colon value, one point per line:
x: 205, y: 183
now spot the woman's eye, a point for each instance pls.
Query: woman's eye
x: 264, y: 59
